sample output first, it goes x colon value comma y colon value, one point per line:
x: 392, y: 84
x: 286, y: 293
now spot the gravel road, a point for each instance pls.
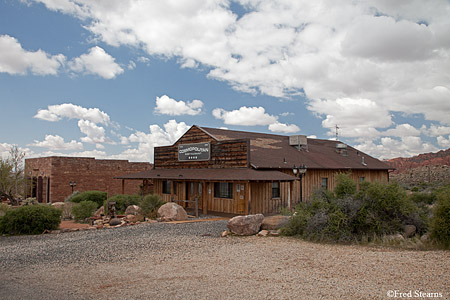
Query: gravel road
x: 192, y: 261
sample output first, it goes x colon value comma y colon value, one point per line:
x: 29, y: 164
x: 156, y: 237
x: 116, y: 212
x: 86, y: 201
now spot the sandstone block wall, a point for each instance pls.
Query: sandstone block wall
x: 89, y: 174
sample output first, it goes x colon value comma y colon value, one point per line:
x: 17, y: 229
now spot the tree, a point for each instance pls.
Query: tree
x: 16, y: 160
x: 6, y: 180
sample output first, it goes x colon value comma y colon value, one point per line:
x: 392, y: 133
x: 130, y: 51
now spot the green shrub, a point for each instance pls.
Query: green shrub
x: 345, y: 186
x: 150, y: 205
x: 94, y: 196
x: 33, y: 219
x: 440, y: 222
x: 84, y: 210
x: 123, y: 201
x: 377, y: 209
x: 425, y: 198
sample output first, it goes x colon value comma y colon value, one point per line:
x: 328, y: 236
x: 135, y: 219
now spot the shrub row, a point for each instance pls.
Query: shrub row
x: 31, y: 219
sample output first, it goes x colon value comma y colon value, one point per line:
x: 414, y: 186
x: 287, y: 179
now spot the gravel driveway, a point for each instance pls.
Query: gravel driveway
x: 192, y: 261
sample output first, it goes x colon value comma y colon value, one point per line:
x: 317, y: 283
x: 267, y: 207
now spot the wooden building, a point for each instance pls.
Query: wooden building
x: 244, y: 173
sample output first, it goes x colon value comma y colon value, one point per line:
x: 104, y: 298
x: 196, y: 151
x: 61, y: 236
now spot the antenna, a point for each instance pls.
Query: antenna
x: 337, y: 133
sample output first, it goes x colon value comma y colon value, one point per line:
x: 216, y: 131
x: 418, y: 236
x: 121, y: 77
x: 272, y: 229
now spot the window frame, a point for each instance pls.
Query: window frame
x: 322, y: 185
x: 276, y: 193
x: 167, y: 187
x: 221, y: 192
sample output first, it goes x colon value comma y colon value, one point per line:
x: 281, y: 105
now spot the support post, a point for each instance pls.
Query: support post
x: 205, y: 198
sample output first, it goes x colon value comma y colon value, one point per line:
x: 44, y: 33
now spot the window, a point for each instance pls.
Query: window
x: 275, y: 190
x: 325, y: 183
x: 223, y: 190
x: 361, y: 179
x: 167, y: 184
x: 175, y: 187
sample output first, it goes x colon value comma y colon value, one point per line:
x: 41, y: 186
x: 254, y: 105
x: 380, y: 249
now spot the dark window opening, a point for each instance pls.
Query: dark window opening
x: 275, y: 190
x: 223, y: 190
x: 325, y: 183
x: 167, y: 184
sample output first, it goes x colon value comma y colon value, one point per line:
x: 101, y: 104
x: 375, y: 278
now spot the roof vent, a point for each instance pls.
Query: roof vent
x: 300, y: 141
x: 363, y: 162
x: 341, y: 149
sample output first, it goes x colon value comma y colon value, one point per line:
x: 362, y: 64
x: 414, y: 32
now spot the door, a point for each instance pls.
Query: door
x: 194, y: 190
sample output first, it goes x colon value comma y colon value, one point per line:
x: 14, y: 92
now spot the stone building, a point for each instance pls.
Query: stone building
x: 52, y: 179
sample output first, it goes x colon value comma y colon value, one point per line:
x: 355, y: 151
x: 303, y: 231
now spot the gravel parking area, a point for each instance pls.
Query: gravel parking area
x: 192, y: 261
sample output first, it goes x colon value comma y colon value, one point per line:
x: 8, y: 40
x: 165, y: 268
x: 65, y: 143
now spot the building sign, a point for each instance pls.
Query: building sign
x: 194, y: 152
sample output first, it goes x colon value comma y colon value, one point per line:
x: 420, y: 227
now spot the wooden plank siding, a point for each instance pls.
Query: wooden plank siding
x: 224, y: 154
x: 312, y: 181
x: 258, y: 195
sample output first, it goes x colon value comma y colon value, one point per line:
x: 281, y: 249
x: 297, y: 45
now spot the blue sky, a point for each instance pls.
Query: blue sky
x: 113, y: 79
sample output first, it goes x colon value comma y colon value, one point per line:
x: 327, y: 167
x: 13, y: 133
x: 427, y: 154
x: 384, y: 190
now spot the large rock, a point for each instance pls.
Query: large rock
x: 172, y: 212
x: 274, y: 222
x: 133, y: 210
x: 135, y: 218
x: 245, y: 225
x: 115, y: 222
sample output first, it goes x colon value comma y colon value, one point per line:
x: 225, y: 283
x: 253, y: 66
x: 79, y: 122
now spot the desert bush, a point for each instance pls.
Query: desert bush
x: 32, y: 219
x: 375, y: 210
x: 345, y: 186
x: 29, y: 201
x: 84, y: 210
x: 422, y: 197
x: 440, y: 222
x: 67, y: 210
x: 150, y: 205
x: 94, y: 196
x: 123, y: 201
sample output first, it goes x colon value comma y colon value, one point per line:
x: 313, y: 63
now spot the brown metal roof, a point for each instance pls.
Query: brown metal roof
x: 271, y: 151
x: 211, y: 175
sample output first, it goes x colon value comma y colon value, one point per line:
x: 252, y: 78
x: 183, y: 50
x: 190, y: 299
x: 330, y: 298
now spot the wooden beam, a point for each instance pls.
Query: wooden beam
x: 249, y: 197
x: 204, y: 198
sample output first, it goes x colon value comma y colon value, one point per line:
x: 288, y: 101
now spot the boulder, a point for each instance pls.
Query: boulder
x: 133, y: 210
x: 172, y: 212
x: 245, y: 225
x: 114, y: 222
x: 409, y: 231
x: 135, y: 218
x: 274, y: 222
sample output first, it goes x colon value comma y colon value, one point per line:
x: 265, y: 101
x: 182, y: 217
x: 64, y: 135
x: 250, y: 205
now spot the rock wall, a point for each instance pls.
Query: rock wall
x: 53, y: 175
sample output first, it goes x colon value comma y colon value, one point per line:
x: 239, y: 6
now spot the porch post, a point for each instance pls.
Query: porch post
x: 204, y: 198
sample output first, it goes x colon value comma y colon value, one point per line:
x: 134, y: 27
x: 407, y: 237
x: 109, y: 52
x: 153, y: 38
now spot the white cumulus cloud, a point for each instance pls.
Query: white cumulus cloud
x: 71, y: 111
x: 16, y: 60
x: 56, y: 142
x: 96, y: 62
x: 246, y: 116
x: 168, y: 106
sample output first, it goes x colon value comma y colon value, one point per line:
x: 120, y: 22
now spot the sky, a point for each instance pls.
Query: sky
x: 112, y: 79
